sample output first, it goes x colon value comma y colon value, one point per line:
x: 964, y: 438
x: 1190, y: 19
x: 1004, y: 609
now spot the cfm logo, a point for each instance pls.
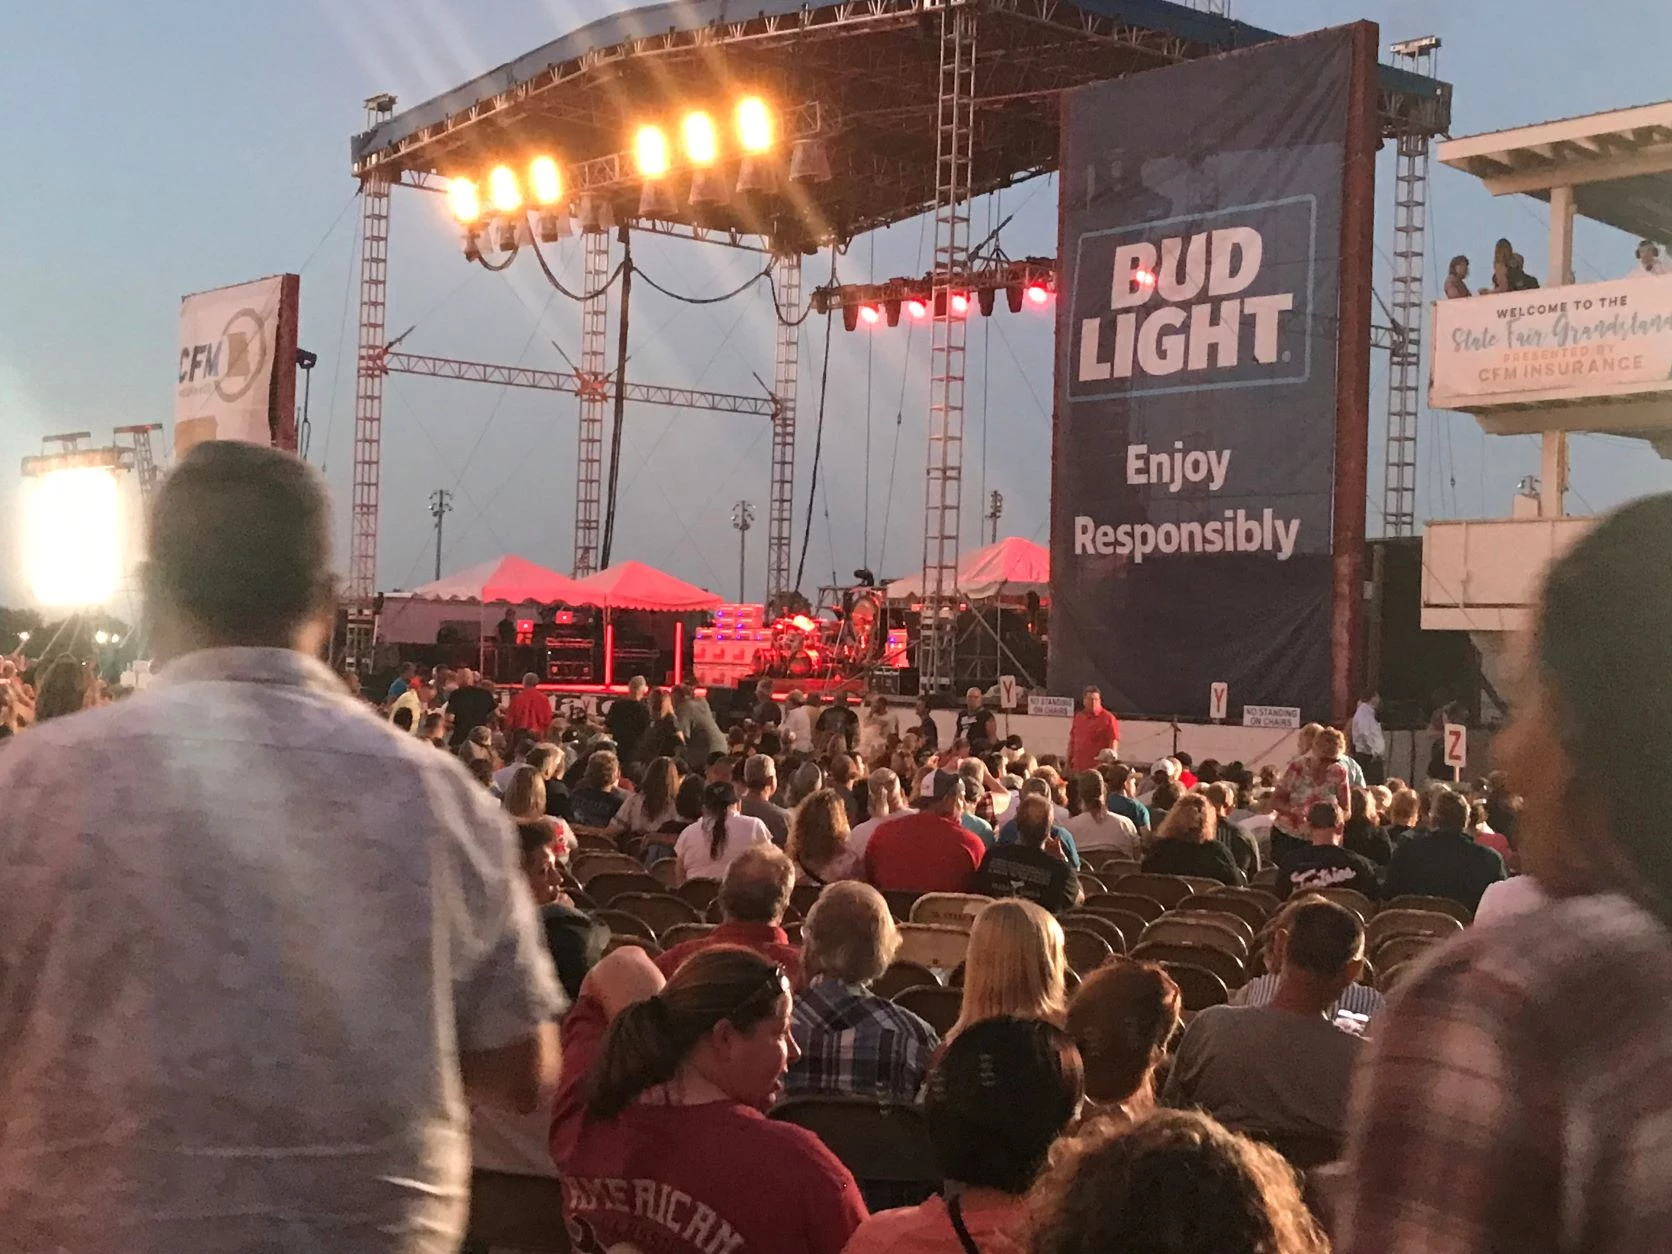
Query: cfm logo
x: 1218, y: 306
x: 232, y: 364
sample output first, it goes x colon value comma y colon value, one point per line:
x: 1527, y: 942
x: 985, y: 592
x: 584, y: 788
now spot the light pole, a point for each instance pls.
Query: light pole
x: 742, y: 517
x: 441, y: 504
x: 995, y: 508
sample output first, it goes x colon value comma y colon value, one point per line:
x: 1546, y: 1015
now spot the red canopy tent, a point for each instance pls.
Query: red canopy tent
x: 634, y: 586
x: 510, y: 579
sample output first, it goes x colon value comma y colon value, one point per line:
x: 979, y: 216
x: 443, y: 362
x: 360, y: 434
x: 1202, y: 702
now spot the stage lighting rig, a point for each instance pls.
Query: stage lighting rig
x: 1028, y: 284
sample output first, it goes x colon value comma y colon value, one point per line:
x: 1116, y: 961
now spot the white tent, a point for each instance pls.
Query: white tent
x: 1011, y: 568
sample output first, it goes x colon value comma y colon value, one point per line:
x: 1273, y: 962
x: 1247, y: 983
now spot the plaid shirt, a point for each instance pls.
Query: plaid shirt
x: 855, y: 1043
x: 1517, y: 1095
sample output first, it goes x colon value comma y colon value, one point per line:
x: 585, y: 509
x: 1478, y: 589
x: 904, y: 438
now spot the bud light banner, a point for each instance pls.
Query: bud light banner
x: 1194, y: 448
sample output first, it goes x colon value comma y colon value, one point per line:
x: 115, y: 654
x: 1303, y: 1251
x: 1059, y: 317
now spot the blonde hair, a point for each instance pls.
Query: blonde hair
x: 818, y: 830
x: 525, y: 798
x: 1014, y: 966
x: 1327, y: 738
x: 1191, y: 820
x: 1306, y: 735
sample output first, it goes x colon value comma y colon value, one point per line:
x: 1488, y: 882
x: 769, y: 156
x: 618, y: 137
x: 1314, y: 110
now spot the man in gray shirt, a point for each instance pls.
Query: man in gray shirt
x: 1281, y: 1068
x: 256, y: 946
x: 760, y: 780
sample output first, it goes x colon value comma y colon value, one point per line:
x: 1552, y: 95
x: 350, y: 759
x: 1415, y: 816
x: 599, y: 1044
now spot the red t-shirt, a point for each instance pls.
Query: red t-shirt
x: 719, y: 1178
x: 1088, y: 736
x: 766, y: 939
x: 922, y: 853
x: 530, y: 710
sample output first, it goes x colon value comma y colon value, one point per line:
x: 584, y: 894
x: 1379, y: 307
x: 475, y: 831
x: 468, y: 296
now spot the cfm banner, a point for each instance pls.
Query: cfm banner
x: 237, y: 376
x: 1194, y: 448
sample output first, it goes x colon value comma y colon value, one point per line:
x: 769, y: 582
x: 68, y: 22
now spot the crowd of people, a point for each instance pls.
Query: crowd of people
x: 276, y: 968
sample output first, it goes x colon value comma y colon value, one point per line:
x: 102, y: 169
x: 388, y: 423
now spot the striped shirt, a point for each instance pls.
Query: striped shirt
x: 1517, y: 1094
x: 1358, y: 999
x: 855, y: 1043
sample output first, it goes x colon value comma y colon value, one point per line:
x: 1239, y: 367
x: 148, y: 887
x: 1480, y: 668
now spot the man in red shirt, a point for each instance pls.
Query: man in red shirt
x: 530, y: 709
x: 929, y: 851
x: 1093, y: 730
x: 753, y: 898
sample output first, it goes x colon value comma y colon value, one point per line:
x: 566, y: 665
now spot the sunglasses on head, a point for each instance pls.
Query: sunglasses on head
x: 774, y: 984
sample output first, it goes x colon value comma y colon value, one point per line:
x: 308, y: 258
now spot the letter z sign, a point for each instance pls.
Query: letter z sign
x: 1456, y: 744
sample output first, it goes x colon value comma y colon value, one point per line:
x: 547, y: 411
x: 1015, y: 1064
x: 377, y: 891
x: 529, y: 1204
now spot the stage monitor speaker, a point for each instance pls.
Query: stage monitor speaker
x: 910, y: 682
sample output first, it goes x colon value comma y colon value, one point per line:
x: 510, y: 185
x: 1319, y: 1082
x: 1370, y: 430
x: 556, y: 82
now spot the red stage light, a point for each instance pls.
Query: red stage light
x: 870, y: 314
x: 917, y: 308
x: 960, y: 304
x: 1038, y: 293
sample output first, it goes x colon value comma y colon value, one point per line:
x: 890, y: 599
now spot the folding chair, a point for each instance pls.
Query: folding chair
x: 903, y: 975
x: 938, y: 1007
x: 884, y: 1144
x: 949, y: 909
x: 1169, y: 890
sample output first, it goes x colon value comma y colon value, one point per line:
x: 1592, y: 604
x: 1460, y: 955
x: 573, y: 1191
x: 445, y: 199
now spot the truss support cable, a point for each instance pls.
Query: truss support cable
x: 589, y: 446
x: 620, y: 415
x: 943, y: 479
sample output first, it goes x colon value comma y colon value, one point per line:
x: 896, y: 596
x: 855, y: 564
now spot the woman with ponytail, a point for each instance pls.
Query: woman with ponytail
x: 658, y: 1132
x: 710, y: 845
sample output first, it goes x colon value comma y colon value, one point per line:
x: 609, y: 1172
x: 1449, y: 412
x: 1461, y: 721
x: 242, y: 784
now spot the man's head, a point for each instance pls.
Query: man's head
x: 849, y: 934
x: 637, y: 686
x: 1372, y: 698
x: 760, y: 774
x: 757, y: 886
x: 1033, y: 821
x: 879, y: 706
x: 1324, y: 823
x: 1122, y: 780
x: 531, y: 681
x: 464, y: 677
x: 240, y: 553
x: 763, y: 690
x: 884, y: 787
x: 1091, y: 700
x: 1318, y: 950
x: 843, y: 770
x: 1223, y: 795
x: 972, y: 699
x: 433, y: 728
x: 408, y: 670
x: 942, y: 792
x: 1648, y: 252
x: 1449, y: 812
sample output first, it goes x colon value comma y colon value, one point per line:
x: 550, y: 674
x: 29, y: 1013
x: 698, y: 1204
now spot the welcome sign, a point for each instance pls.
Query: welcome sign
x: 1553, y: 344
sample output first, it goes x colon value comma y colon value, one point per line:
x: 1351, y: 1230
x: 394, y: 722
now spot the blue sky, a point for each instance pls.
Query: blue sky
x: 163, y: 148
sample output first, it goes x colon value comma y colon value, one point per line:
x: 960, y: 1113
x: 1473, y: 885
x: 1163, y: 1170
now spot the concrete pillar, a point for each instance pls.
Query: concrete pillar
x: 1560, y: 270
x: 1553, y: 475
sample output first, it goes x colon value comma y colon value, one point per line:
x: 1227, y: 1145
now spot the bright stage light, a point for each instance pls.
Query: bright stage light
x: 702, y: 141
x: 650, y: 152
x: 917, y: 308
x: 465, y: 200
x: 1038, y: 294
x: 754, y: 125
x: 101, y: 637
x: 960, y: 304
x: 870, y: 314
x: 503, y: 192
x: 73, y: 537
x: 546, y: 181
x: 1143, y: 278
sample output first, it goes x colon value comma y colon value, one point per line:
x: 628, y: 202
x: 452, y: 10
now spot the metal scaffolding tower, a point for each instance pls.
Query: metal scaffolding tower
x: 595, y: 394
x: 145, y: 461
x: 368, y: 396
x: 780, y: 510
x: 943, y: 479
x: 1405, y: 377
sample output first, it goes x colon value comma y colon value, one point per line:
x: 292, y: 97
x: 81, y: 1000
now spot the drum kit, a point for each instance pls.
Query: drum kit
x: 839, y: 647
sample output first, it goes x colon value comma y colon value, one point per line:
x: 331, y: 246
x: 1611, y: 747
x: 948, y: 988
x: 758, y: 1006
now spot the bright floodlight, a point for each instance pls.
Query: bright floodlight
x: 73, y: 537
x: 1038, y: 293
x: 650, y: 152
x: 101, y: 637
x: 870, y: 313
x: 917, y: 308
x: 754, y: 125
x: 702, y: 141
x: 465, y: 200
x: 503, y: 192
x: 960, y: 304
x: 547, y: 182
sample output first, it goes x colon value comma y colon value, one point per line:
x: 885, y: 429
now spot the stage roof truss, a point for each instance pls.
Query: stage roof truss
x: 862, y: 76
